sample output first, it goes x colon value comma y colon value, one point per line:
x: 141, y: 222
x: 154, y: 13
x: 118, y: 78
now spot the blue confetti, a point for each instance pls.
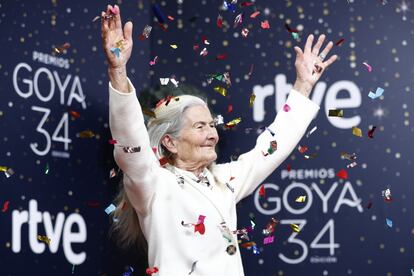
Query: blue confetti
x: 389, y: 222
x: 110, y: 209
x: 116, y: 51
x: 377, y: 93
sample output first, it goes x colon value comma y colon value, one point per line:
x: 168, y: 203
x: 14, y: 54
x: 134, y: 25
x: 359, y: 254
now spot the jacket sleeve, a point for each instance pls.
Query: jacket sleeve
x: 253, y: 167
x: 128, y: 128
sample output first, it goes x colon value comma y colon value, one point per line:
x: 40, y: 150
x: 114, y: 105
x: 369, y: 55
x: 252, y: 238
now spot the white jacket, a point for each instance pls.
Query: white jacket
x: 163, y: 201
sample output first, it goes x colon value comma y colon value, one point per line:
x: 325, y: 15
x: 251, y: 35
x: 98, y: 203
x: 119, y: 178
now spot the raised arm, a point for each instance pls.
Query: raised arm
x: 289, y: 126
x: 125, y: 115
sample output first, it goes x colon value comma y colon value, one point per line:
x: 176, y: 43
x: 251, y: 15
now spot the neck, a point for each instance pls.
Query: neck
x: 196, y: 169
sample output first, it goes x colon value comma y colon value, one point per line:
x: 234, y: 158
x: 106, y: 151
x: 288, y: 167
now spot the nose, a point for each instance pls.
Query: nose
x: 212, y: 135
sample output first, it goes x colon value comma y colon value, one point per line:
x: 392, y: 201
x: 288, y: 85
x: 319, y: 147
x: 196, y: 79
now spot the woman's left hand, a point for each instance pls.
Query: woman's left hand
x: 310, y: 64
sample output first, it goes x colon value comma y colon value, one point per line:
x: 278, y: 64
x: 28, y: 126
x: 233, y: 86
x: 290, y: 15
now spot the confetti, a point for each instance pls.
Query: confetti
x: 47, y: 168
x: 311, y: 131
x: 218, y: 120
x: 60, y: 49
x: 270, y: 227
x: 204, y: 52
x: 238, y: 20
x: 131, y: 149
x: 336, y: 113
x: 348, y: 156
x: 378, y: 93
x: 112, y: 173
x: 342, y: 174
x: 371, y: 132
x: 290, y: 30
x: 369, y: 205
x: 229, y: 108
x: 158, y: 13
x: 221, y: 57
x: 198, y: 227
x: 353, y: 164
x: 357, y: 131
x: 262, y: 191
x: 244, y: 32
x: 163, y: 160
x: 386, y: 194
x: 96, y: 18
x: 295, y: 228
x: 43, y: 239
x: 170, y: 17
x: 151, y: 270
x: 128, y: 273
x: 86, y: 134
x: 369, y: 67
x: 302, y: 149
x: 268, y: 240
x: 265, y: 24
x: 175, y: 82
x: 272, y: 148
x: 233, y: 123
x: 255, y: 14
x: 251, y: 69
x: 221, y: 90
x: 295, y: 36
x: 219, y: 21
x: 116, y: 51
x: 251, y: 99
x: 110, y: 209
x: 5, y: 206
x: 339, y: 42
x: 300, y: 199
x: 174, y: 46
x: 248, y: 244
x: 145, y: 32
x: 152, y: 62
x: 389, y: 222
x: 246, y: 4
x: 73, y: 269
x: 75, y: 114
x: 286, y: 108
x: 164, y: 81
x: 289, y: 167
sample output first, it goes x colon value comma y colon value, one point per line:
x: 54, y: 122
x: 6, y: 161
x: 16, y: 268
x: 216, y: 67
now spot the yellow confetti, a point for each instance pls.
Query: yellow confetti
x: 86, y: 134
x: 336, y: 113
x: 251, y: 100
x: 3, y: 169
x: 295, y: 228
x: 234, y: 122
x: 221, y: 90
x: 44, y: 239
x: 174, y: 46
x: 301, y: 199
x: 357, y: 131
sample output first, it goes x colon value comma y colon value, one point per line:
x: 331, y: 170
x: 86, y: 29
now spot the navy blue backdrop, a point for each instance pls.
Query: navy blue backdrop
x: 56, y: 165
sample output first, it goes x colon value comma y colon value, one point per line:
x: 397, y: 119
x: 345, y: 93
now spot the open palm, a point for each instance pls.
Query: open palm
x: 117, y: 42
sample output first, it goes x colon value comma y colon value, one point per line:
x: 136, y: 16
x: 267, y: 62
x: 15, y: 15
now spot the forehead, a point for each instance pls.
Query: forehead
x: 198, y: 113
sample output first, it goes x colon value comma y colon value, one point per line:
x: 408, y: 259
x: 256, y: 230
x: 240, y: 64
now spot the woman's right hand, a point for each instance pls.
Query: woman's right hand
x: 114, y: 37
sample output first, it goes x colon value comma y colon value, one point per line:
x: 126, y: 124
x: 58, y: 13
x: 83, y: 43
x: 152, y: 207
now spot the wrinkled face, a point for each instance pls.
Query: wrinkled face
x: 197, y: 138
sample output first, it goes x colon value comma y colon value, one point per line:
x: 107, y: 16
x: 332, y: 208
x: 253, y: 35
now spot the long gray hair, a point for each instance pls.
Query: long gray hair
x: 169, y: 117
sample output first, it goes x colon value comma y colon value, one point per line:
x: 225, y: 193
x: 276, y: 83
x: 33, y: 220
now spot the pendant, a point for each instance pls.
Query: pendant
x: 231, y: 249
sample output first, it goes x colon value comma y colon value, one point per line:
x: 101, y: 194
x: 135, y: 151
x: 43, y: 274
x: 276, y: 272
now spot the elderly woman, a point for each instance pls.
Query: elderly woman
x: 187, y: 208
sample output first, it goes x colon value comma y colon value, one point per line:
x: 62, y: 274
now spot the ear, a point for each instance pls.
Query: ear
x: 169, y: 143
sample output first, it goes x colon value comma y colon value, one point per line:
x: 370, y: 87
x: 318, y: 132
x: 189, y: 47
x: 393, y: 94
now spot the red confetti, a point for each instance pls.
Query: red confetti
x: 339, y: 42
x: 253, y: 15
x: 221, y: 57
x: 170, y: 17
x: 289, y: 168
x: 262, y: 191
x: 154, y: 150
x: 151, y: 270
x: 303, y: 149
x: 342, y: 174
x: 231, y: 178
x: 5, y: 206
x: 265, y: 25
x: 290, y: 30
x: 286, y: 108
x: 163, y: 27
x: 196, y: 47
x: 200, y: 228
x: 229, y: 108
x: 74, y: 114
x: 220, y: 21
x: 369, y: 205
x: 246, y: 4
x: 112, y: 141
x: 371, y: 132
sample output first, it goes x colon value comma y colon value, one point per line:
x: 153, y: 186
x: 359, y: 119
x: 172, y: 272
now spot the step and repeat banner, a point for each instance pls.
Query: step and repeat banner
x: 341, y: 204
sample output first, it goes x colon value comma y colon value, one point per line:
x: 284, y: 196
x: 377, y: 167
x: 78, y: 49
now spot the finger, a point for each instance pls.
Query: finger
x: 298, y: 51
x: 111, y: 18
x: 318, y: 45
x: 331, y: 60
x: 308, y: 45
x: 327, y: 49
x: 118, y: 23
x: 128, y: 31
x: 104, y: 25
